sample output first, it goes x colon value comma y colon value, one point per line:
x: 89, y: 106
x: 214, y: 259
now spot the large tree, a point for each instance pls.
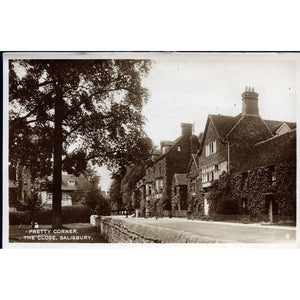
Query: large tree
x: 67, y: 112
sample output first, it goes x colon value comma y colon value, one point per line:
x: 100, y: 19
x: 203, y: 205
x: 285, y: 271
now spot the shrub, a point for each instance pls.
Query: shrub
x: 76, y: 213
x: 70, y: 214
x: 19, y: 217
x: 44, y: 216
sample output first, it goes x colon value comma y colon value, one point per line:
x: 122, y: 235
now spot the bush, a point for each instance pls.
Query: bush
x: 44, y: 216
x: 19, y: 217
x: 70, y: 214
x: 76, y: 214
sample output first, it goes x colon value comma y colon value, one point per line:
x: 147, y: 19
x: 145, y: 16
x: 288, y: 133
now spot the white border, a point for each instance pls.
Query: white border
x: 127, y: 55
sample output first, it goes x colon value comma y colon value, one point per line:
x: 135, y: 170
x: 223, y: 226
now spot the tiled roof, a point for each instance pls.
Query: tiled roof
x: 180, y: 179
x: 224, y: 124
x: 64, y: 183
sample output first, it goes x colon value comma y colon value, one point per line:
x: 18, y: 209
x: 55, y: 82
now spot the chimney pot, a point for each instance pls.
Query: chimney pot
x: 250, y: 102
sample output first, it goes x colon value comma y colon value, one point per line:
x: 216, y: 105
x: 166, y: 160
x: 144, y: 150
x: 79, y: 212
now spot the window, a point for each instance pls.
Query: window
x: 244, y: 180
x: 210, y: 173
x: 178, y: 148
x: 211, y: 148
x: 272, y: 174
x: 49, y: 196
x: 159, y: 185
x: 193, y: 188
x: 206, y: 207
x: 71, y: 182
x: 64, y: 197
x: 148, y: 189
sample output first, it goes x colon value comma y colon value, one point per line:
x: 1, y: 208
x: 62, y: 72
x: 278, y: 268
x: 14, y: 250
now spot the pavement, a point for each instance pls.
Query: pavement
x: 225, y: 231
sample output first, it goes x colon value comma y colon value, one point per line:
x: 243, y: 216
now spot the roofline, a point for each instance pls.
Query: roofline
x: 275, y: 136
x: 205, y: 132
x: 283, y: 125
x: 214, y: 124
x: 164, y: 154
x: 266, y: 126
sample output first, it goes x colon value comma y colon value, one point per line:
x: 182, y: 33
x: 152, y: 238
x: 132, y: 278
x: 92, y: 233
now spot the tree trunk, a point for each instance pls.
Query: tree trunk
x: 57, y: 172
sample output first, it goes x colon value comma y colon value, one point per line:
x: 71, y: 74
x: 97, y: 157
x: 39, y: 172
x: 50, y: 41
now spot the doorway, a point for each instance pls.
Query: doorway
x: 272, y: 209
x: 244, y: 206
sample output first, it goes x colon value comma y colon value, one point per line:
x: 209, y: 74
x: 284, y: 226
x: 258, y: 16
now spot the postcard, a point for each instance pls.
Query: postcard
x: 150, y: 147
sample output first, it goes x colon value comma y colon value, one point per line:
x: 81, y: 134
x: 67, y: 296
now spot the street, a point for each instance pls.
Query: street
x: 226, y: 232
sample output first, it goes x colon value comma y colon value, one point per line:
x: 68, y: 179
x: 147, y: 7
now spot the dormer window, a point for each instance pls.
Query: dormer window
x: 211, y: 148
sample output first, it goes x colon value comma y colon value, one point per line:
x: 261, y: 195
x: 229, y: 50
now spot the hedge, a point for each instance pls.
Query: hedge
x: 70, y: 214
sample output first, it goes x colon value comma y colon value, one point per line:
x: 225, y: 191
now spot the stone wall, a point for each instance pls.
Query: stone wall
x: 117, y: 230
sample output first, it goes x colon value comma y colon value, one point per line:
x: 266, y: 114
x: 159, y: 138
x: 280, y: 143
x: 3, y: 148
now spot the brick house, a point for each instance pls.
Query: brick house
x: 246, y: 147
x: 155, y: 188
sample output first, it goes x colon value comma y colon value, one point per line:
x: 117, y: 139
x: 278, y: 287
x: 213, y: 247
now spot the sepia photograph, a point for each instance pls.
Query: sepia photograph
x: 150, y: 147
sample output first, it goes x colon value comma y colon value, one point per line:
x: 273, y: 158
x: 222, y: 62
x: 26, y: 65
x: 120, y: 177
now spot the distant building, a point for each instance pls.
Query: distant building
x: 155, y: 188
x: 69, y: 184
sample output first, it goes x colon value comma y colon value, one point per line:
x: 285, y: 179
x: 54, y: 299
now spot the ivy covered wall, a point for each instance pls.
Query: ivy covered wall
x: 255, y: 188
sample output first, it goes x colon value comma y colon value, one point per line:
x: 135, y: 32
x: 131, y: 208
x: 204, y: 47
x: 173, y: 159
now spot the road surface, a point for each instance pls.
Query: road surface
x: 227, y: 232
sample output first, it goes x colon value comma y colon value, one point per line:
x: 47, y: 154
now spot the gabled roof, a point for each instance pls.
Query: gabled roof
x: 180, y: 179
x: 223, y: 124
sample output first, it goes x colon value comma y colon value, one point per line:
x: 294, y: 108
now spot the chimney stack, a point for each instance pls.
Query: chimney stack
x: 186, y: 129
x: 250, y: 102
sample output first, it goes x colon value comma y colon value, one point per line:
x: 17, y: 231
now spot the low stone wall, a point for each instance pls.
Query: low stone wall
x: 117, y: 230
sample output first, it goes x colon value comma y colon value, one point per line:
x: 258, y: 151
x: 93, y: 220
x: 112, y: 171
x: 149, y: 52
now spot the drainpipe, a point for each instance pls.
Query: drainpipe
x: 228, y: 155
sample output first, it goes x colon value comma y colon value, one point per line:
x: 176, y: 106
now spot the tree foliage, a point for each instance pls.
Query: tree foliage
x: 68, y: 112
x: 89, y: 193
x: 101, y: 110
x: 128, y: 184
x: 114, y: 193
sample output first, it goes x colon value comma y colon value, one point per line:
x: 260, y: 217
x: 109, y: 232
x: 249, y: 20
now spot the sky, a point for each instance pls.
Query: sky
x: 188, y: 87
